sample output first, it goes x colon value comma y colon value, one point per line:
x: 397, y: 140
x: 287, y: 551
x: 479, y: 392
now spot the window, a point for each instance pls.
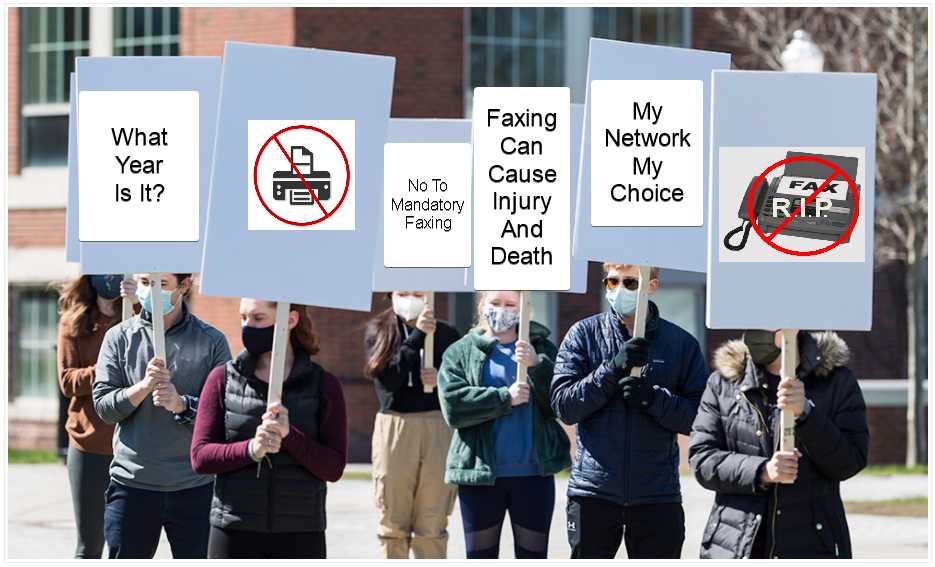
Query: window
x: 663, y: 26
x: 146, y: 31
x: 51, y: 39
x: 515, y: 47
x: 34, y: 333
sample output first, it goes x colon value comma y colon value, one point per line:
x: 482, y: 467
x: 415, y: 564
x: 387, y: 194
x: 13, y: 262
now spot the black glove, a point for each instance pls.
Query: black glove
x: 635, y: 353
x: 636, y: 391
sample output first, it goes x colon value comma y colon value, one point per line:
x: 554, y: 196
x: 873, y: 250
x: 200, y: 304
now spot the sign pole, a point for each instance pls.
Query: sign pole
x: 525, y: 309
x: 159, y: 323
x: 127, y: 303
x: 642, y: 306
x: 428, y: 348
x: 277, y: 365
x: 790, y: 349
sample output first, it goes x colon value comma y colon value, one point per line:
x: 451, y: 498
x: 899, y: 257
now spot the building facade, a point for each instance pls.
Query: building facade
x: 442, y: 54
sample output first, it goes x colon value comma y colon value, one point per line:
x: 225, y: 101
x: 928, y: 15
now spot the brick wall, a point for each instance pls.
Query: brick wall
x: 36, y: 227
x: 13, y: 91
x: 204, y: 30
x: 428, y: 44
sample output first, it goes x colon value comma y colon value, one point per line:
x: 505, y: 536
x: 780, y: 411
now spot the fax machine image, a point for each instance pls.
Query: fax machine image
x: 826, y: 218
x: 288, y: 182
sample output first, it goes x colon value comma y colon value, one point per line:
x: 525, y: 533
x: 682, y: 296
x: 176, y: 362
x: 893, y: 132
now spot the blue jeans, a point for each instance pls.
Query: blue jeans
x: 529, y: 500
x: 134, y: 519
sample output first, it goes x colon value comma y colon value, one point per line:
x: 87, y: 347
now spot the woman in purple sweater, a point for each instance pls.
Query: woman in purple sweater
x: 271, y: 463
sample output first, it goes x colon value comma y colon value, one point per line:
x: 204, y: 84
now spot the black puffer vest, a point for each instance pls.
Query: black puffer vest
x: 279, y: 494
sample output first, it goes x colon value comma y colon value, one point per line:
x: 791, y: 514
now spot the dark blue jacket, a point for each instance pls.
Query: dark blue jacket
x: 627, y: 456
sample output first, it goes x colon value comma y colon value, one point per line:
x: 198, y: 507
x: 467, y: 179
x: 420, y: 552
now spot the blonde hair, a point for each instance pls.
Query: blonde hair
x: 608, y: 266
x: 481, y: 321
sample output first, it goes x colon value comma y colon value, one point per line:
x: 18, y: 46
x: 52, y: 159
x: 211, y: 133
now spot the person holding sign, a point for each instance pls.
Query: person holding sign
x: 410, y: 436
x: 507, y: 445
x: 153, y: 403
x: 625, y: 482
x: 271, y: 460
x: 88, y: 307
x: 771, y: 503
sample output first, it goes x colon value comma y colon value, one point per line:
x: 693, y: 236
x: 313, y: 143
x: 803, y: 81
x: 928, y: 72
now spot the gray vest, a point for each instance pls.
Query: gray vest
x: 278, y: 495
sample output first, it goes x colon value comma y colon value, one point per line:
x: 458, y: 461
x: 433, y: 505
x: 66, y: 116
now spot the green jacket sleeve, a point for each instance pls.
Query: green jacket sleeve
x: 463, y: 404
x: 540, y: 376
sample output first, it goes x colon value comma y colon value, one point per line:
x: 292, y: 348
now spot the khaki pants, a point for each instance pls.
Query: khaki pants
x: 409, y: 452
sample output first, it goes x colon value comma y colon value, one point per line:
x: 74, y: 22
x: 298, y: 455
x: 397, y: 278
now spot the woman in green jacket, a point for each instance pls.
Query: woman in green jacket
x: 507, y: 445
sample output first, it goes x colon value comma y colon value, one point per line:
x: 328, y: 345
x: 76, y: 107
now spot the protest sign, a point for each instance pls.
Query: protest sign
x: 296, y: 179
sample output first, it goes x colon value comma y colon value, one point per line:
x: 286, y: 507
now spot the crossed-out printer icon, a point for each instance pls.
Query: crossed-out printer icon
x: 289, y: 182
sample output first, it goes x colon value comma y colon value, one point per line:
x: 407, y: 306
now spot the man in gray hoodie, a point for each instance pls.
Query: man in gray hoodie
x: 153, y: 403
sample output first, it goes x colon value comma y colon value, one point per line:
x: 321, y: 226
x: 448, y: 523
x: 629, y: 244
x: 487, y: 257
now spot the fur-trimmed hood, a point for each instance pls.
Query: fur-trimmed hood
x: 820, y: 353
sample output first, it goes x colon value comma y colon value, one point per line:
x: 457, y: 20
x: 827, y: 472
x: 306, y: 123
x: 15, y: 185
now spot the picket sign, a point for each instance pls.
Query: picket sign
x: 127, y: 303
x: 642, y: 305
x: 428, y: 348
x: 277, y: 365
x: 525, y: 312
x: 790, y: 349
x: 159, y: 323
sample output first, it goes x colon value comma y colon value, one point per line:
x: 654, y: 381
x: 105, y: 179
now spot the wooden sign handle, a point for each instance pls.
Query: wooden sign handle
x: 277, y: 365
x: 790, y: 350
x: 159, y: 323
x: 127, y: 303
x: 642, y: 307
x: 428, y: 348
x: 525, y: 309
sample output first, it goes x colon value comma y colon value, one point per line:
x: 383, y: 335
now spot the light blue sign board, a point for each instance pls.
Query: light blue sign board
x: 758, y: 109
x: 200, y: 74
x: 579, y: 264
x: 677, y: 247
x: 72, y: 246
x: 326, y: 268
x: 414, y: 130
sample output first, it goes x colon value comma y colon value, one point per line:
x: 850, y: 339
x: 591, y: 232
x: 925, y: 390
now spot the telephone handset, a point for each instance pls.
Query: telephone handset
x: 744, y: 215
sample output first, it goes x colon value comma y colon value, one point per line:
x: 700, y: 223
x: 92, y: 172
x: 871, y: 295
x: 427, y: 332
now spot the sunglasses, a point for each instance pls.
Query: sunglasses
x: 611, y: 282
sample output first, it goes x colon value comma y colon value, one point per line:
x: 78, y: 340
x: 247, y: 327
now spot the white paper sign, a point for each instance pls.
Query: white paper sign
x: 138, y: 166
x: 647, y: 165
x: 522, y: 188
x: 427, y: 205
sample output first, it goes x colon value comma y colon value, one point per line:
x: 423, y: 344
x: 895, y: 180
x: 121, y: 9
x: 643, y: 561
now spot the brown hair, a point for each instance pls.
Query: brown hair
x: 303, y: 336
x: 77, y: 305
x: 653, y: 270
x: 387, y: 340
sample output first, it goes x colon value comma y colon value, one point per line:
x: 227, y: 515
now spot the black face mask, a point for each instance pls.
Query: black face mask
x: 107, y: 286
x: 762, y: 346
x: 257, y: 340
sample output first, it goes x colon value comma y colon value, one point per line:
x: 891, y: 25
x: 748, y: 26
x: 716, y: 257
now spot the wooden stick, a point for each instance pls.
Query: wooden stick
x: 790, y: 350
x: 428, y: 348
x: 159, y: 323
x: 525, y: 308
x: 642, y: 306
x: 277, y: 364
x: 127, y: 303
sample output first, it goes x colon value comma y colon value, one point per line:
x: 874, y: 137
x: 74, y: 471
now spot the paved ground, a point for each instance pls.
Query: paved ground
x: 40, y: 523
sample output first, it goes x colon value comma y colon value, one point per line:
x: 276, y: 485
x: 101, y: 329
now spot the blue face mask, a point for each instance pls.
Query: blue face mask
x: 622, y: 300
x: 145, y: 293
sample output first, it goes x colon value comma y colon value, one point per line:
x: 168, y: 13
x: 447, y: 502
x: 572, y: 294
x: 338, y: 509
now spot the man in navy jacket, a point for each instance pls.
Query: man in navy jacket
x: 627, y: 458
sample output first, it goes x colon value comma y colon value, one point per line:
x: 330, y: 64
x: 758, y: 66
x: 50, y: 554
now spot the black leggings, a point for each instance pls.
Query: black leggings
x: 88, y: 475
x: 232, y: 544
x: 529, y: 499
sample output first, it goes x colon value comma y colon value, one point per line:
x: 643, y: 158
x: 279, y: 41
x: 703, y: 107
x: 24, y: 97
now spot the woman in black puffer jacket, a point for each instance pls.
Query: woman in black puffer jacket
x: 734, y: 442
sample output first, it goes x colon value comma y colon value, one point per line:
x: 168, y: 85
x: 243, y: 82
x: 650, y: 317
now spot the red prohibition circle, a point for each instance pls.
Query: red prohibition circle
x: 256, y: 166
x: 852, y: 187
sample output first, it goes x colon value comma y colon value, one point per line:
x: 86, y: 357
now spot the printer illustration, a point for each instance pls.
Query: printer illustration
x: 288, y: 182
